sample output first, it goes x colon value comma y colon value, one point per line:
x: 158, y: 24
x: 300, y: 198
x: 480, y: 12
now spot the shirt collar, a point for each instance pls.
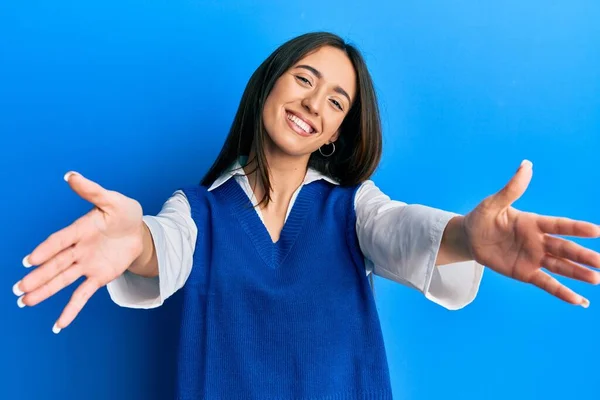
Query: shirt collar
x: 236, y: 169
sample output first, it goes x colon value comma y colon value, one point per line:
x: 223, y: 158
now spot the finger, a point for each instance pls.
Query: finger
x: 48, y: 270
x: 89, y: 190
x: 55, y: 285
x: 548, y: 283
x: 564, y: 248
x: 55, y: 243
x: 568, y: 227
x: 570, y: 269
x: 78, y: 300
x: 517, y: 185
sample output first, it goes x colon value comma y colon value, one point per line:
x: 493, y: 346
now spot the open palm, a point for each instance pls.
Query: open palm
x: 519, y: 244
x: 99, y: 246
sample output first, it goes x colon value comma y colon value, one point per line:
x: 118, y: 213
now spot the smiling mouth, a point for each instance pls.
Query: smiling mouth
x: 299, y: 124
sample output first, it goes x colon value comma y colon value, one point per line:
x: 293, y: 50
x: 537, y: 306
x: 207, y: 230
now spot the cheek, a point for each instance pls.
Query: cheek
x: 272, y: 105
x: 277, y: 93
x: 268, y: 113
x: 332, y: 124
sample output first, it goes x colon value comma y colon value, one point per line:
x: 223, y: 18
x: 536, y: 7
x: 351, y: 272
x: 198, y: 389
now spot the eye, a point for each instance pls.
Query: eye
x: 337, y: 104
x: 303, y: 79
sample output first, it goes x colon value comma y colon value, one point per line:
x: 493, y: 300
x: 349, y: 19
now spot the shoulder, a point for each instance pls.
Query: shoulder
x: 361, y: 193
x: 330, y: 188
x: 192, y: 192
x: 197, y: 197
x: 369, y: 192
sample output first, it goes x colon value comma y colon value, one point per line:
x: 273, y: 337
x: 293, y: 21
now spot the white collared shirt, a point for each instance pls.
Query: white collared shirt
x: 400, y: 242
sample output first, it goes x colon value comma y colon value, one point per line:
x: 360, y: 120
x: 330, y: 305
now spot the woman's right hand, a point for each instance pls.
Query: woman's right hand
x: 100, y: 245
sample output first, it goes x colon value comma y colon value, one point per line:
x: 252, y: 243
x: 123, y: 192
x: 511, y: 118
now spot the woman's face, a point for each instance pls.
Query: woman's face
x: 309, y: 102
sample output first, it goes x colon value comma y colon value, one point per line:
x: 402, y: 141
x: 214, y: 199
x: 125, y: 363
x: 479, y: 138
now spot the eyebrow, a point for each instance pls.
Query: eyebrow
x: 319, y: 75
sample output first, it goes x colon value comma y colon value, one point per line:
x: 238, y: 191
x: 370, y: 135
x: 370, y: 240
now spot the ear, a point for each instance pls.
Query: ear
x: 335, y: 136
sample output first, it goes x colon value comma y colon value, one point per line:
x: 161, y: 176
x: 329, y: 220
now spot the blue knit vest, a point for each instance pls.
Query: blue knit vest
x: 294, y: 319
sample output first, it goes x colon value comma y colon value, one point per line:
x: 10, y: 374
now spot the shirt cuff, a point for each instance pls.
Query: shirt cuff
x: 135, y: 291
x: 454, y: 285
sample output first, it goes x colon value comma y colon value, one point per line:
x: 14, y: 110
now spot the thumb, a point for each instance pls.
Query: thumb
x: 517, y: 185
x: 88, y: 190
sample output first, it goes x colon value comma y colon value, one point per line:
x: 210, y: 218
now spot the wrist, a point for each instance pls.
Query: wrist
x: 142, y: 255
x: 455, y: 246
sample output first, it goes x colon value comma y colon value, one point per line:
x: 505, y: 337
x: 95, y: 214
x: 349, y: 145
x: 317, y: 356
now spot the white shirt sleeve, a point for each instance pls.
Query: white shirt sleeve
x: 174, y: 235
x: 400, y: 242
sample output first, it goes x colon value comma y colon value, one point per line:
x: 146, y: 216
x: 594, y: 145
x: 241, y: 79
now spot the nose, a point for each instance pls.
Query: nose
x: 311, y: 103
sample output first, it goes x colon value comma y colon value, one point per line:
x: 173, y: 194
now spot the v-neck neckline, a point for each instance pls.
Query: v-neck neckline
x: 272, y: 253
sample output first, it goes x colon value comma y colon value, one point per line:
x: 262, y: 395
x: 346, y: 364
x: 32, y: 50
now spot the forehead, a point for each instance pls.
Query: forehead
x: 335, y: 67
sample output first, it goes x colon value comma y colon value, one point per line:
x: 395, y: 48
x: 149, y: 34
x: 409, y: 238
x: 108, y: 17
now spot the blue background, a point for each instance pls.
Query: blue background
x: 139, y: 95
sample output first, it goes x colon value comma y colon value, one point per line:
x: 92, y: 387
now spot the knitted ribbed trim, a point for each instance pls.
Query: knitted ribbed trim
x: 273, y: 254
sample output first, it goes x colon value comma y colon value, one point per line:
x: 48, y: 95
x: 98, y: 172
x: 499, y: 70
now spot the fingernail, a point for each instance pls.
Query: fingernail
x: 26, y: 262
x: 20, y: 302
x: 585, y: 303
x: 16, y: 290
x: 68, y: 175
x: 526, y: 163
x: 55, y: 329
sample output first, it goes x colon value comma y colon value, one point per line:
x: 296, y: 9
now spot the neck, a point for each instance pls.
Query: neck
x: 286, y: 174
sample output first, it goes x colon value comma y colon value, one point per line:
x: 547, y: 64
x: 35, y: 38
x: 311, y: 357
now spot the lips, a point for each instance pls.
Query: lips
x: 303, y: 119
x: 294, y: 126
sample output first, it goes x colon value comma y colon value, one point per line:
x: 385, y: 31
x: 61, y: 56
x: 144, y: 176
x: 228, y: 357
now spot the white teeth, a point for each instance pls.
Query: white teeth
x: 303, y: 125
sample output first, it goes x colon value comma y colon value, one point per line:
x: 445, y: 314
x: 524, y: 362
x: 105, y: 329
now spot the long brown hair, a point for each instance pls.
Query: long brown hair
x: 359, y: 145
x: 358, y: 148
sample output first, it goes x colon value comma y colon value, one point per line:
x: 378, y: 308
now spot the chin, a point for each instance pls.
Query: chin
x: 290, y: 143
x: 290, y: 146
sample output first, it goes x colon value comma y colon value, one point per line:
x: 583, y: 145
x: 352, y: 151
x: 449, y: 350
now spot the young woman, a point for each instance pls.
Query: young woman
x: 274, y: 248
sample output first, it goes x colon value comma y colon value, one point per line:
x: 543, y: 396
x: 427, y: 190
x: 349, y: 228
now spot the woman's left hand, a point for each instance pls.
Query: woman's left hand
x: 519, y: 244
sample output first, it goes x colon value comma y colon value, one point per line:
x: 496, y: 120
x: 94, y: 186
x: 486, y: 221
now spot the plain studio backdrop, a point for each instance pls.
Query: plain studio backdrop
x: 139, y: 96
